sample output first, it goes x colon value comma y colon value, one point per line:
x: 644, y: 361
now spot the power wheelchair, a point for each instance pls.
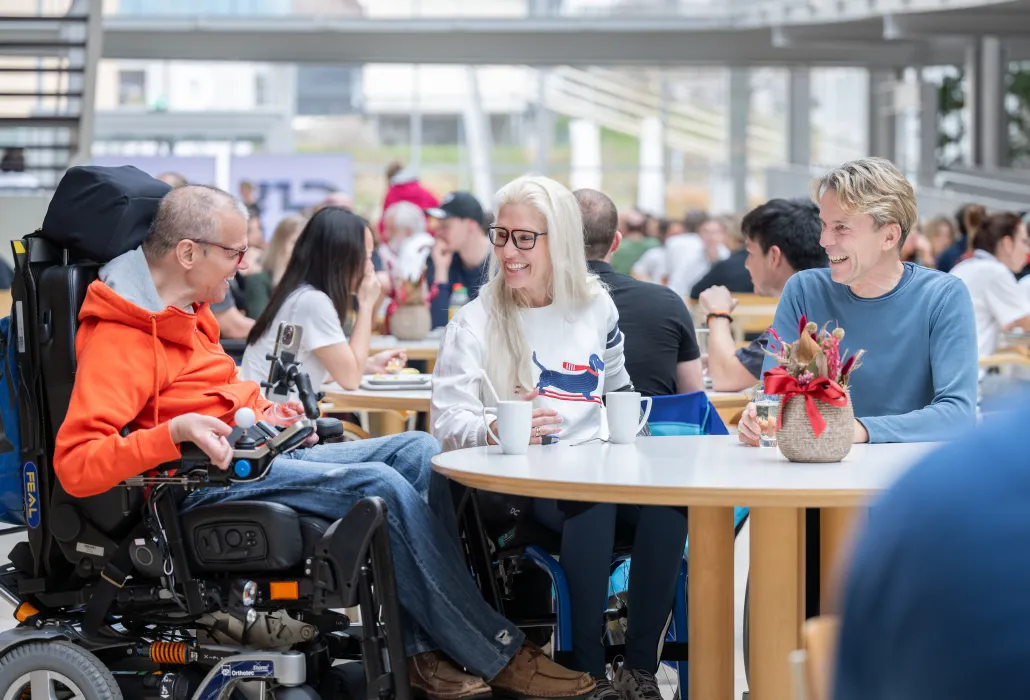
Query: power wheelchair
x: 120, y: 596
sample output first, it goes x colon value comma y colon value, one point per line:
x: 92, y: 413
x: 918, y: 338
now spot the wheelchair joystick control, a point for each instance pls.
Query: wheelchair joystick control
x: 245, y: 420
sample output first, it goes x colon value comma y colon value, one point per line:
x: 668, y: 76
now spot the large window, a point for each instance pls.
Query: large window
x: 328, y: 90
x: 132, y: 88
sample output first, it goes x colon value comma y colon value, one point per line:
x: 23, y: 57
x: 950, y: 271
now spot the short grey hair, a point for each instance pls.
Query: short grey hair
x: 600, y: 222
x: 406, y: 215
x: 188, y: 212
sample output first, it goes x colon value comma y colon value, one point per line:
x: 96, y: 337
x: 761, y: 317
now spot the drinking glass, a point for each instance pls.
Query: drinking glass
x: 768, y: 409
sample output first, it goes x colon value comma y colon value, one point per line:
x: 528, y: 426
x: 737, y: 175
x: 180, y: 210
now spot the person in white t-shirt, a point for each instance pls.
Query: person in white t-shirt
x: 1000, y: 249
x: 544, y: 329
x: 330, y: 265
x: 690, y: 257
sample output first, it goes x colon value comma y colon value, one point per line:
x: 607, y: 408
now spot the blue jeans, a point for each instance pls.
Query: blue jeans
x: 587, y: 543
x: 441, y: 604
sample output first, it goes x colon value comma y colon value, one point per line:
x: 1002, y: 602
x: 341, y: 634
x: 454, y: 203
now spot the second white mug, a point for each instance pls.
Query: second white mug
x: 624, y: 419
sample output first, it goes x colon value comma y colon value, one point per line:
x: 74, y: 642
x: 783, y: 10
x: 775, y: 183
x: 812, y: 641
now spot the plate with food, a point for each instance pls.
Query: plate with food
x: 401, y: 380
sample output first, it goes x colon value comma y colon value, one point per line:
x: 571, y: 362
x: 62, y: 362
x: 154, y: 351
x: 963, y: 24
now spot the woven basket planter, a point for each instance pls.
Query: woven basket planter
x: 797, y: 440
x: 410, y: 322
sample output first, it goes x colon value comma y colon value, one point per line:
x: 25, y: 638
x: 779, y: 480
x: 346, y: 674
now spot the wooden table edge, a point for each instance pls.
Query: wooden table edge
x: 651, y: 496
x: 342, y: 403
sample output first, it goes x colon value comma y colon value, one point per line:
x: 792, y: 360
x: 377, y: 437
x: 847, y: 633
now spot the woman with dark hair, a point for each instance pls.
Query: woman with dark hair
x: 1000, y: 248
x: 331, y: 265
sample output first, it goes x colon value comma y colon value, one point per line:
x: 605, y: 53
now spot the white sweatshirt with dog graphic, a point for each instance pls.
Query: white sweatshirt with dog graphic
x: 577, y: 357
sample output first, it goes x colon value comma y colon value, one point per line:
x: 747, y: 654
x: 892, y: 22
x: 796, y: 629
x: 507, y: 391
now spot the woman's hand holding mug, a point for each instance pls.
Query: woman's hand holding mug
x: 544, y: 422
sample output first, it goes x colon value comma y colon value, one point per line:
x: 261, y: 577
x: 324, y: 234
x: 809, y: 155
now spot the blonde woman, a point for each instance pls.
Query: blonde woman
x: 545, y: 330
x: 273, y: 263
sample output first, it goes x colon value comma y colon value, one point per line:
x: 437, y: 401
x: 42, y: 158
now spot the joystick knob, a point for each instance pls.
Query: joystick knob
x: 245, y: 418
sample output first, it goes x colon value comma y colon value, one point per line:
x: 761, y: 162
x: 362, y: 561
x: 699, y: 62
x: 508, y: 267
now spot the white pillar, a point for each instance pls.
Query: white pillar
x: 993, y: 118
x: 799, y: 116
x: 585, y: 143
x: 929, y: 110
x: 973, y: 99
x: 882, y: 124
x: 651, y: 180
x: 740, y: 110
x: 478, y: 140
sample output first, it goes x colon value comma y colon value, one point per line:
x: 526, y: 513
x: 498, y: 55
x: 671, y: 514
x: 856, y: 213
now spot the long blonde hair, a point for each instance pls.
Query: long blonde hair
x: 572, y: 286
x: 275, y: 258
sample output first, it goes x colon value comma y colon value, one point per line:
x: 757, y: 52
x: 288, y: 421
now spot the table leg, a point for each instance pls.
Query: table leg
x: 710, y: 603
x: 836, y: 526
x: 777, y: 598
x: 383, y: 423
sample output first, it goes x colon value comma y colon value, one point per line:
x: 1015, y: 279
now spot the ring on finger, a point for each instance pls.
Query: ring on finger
x: 536, y: 431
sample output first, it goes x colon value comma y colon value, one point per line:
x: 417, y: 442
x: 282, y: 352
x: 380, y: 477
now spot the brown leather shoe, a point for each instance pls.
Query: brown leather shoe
x: 434, y: 676
x: 531, y: 674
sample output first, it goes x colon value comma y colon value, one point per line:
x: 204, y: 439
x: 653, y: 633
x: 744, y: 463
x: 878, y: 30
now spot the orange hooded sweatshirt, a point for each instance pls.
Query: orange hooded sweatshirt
x: 140, y: 369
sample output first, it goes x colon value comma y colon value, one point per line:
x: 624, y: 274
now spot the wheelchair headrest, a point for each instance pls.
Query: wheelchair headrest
x: 98, y: 213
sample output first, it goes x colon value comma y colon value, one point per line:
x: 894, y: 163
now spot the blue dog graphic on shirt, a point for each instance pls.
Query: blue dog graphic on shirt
x: 580, y: 381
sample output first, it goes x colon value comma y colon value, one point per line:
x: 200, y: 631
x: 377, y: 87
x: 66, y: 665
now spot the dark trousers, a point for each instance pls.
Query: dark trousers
x: 588, y: 539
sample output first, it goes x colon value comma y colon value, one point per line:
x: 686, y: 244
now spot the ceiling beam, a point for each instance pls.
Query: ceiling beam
x: 486, y: 42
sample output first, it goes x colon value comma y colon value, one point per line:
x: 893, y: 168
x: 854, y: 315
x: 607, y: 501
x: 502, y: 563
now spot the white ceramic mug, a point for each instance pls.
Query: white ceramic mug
x: 624, y: 419
x: 514, y: 423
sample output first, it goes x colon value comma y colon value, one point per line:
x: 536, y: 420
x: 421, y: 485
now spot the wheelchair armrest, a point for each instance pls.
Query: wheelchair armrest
x: 329, y: 429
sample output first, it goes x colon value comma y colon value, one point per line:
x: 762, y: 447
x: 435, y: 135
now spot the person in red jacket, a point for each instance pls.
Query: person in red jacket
x: 148, y: 359
x: 405, y: 187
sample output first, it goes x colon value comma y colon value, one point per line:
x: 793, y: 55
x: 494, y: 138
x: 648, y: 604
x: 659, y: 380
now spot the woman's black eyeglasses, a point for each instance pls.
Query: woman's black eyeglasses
x: 523, y: 240
x: 238, y: 252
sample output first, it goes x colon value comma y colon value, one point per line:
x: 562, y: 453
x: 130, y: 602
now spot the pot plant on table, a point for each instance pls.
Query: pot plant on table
x: 816, y: 418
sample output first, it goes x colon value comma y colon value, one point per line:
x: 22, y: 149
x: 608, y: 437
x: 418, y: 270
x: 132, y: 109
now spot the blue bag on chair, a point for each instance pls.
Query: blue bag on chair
x: 685, y: 414
x: 12, y: 503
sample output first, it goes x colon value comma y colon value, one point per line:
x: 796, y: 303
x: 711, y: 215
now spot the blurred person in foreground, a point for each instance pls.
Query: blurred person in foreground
x: 940, y: 232
x: 918, y: 380
x: 653, y: 264
x: 935, y: 603
x: 635, y: 242
x: 689, y: 257
x: 781, y: 237
x: 662, y: 355
x: 173, y: 180
x: 273, y: 264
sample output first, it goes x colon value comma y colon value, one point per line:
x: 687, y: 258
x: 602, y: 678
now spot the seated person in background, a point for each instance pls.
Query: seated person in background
x: 690, y: 257
x: 233, y: 324
x: 406, y: 243
x: 969, y: 218
x: 150, y: 311
x: 935, y: 603
x: 781, y: 238
x: 732, y: 272
x: 330, y: 265
x: 461, y: 254
x: 651, y: 265
x: 173, y: 180
x: 635, y: 242
x: 941, y: 235
x: 662, y: 355
x: 919, y: 375
x: 1000, y: 303
x: 273, y: 264
x: 544, y: 330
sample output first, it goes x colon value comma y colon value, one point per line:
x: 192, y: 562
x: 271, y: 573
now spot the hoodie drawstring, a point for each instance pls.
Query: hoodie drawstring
x: 157, y: 397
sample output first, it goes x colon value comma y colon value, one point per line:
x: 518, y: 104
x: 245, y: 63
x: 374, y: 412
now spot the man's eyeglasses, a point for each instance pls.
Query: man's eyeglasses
x: 523, y: 240
x: 238, y: 252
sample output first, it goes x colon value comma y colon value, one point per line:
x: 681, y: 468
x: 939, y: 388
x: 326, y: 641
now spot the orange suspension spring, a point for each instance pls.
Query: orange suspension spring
x: 168, y: 652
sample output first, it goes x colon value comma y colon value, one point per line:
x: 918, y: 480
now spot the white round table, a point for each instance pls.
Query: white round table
x: 712, y: 474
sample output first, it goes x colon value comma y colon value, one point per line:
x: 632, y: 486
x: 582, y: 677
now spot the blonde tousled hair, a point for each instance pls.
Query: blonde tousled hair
x: 872, y: 186
x: 508, y: 359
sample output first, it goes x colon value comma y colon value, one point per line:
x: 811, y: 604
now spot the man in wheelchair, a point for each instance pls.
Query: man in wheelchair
x: 152, y: 379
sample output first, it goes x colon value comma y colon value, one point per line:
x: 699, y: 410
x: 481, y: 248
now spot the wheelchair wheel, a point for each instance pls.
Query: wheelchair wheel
x: 55, y: 671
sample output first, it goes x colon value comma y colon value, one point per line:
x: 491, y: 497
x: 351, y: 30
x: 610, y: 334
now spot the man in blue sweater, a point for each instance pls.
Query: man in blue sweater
x: 918, y: 379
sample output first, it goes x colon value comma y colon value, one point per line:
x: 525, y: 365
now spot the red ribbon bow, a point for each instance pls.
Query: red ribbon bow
x: 778, y: 381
